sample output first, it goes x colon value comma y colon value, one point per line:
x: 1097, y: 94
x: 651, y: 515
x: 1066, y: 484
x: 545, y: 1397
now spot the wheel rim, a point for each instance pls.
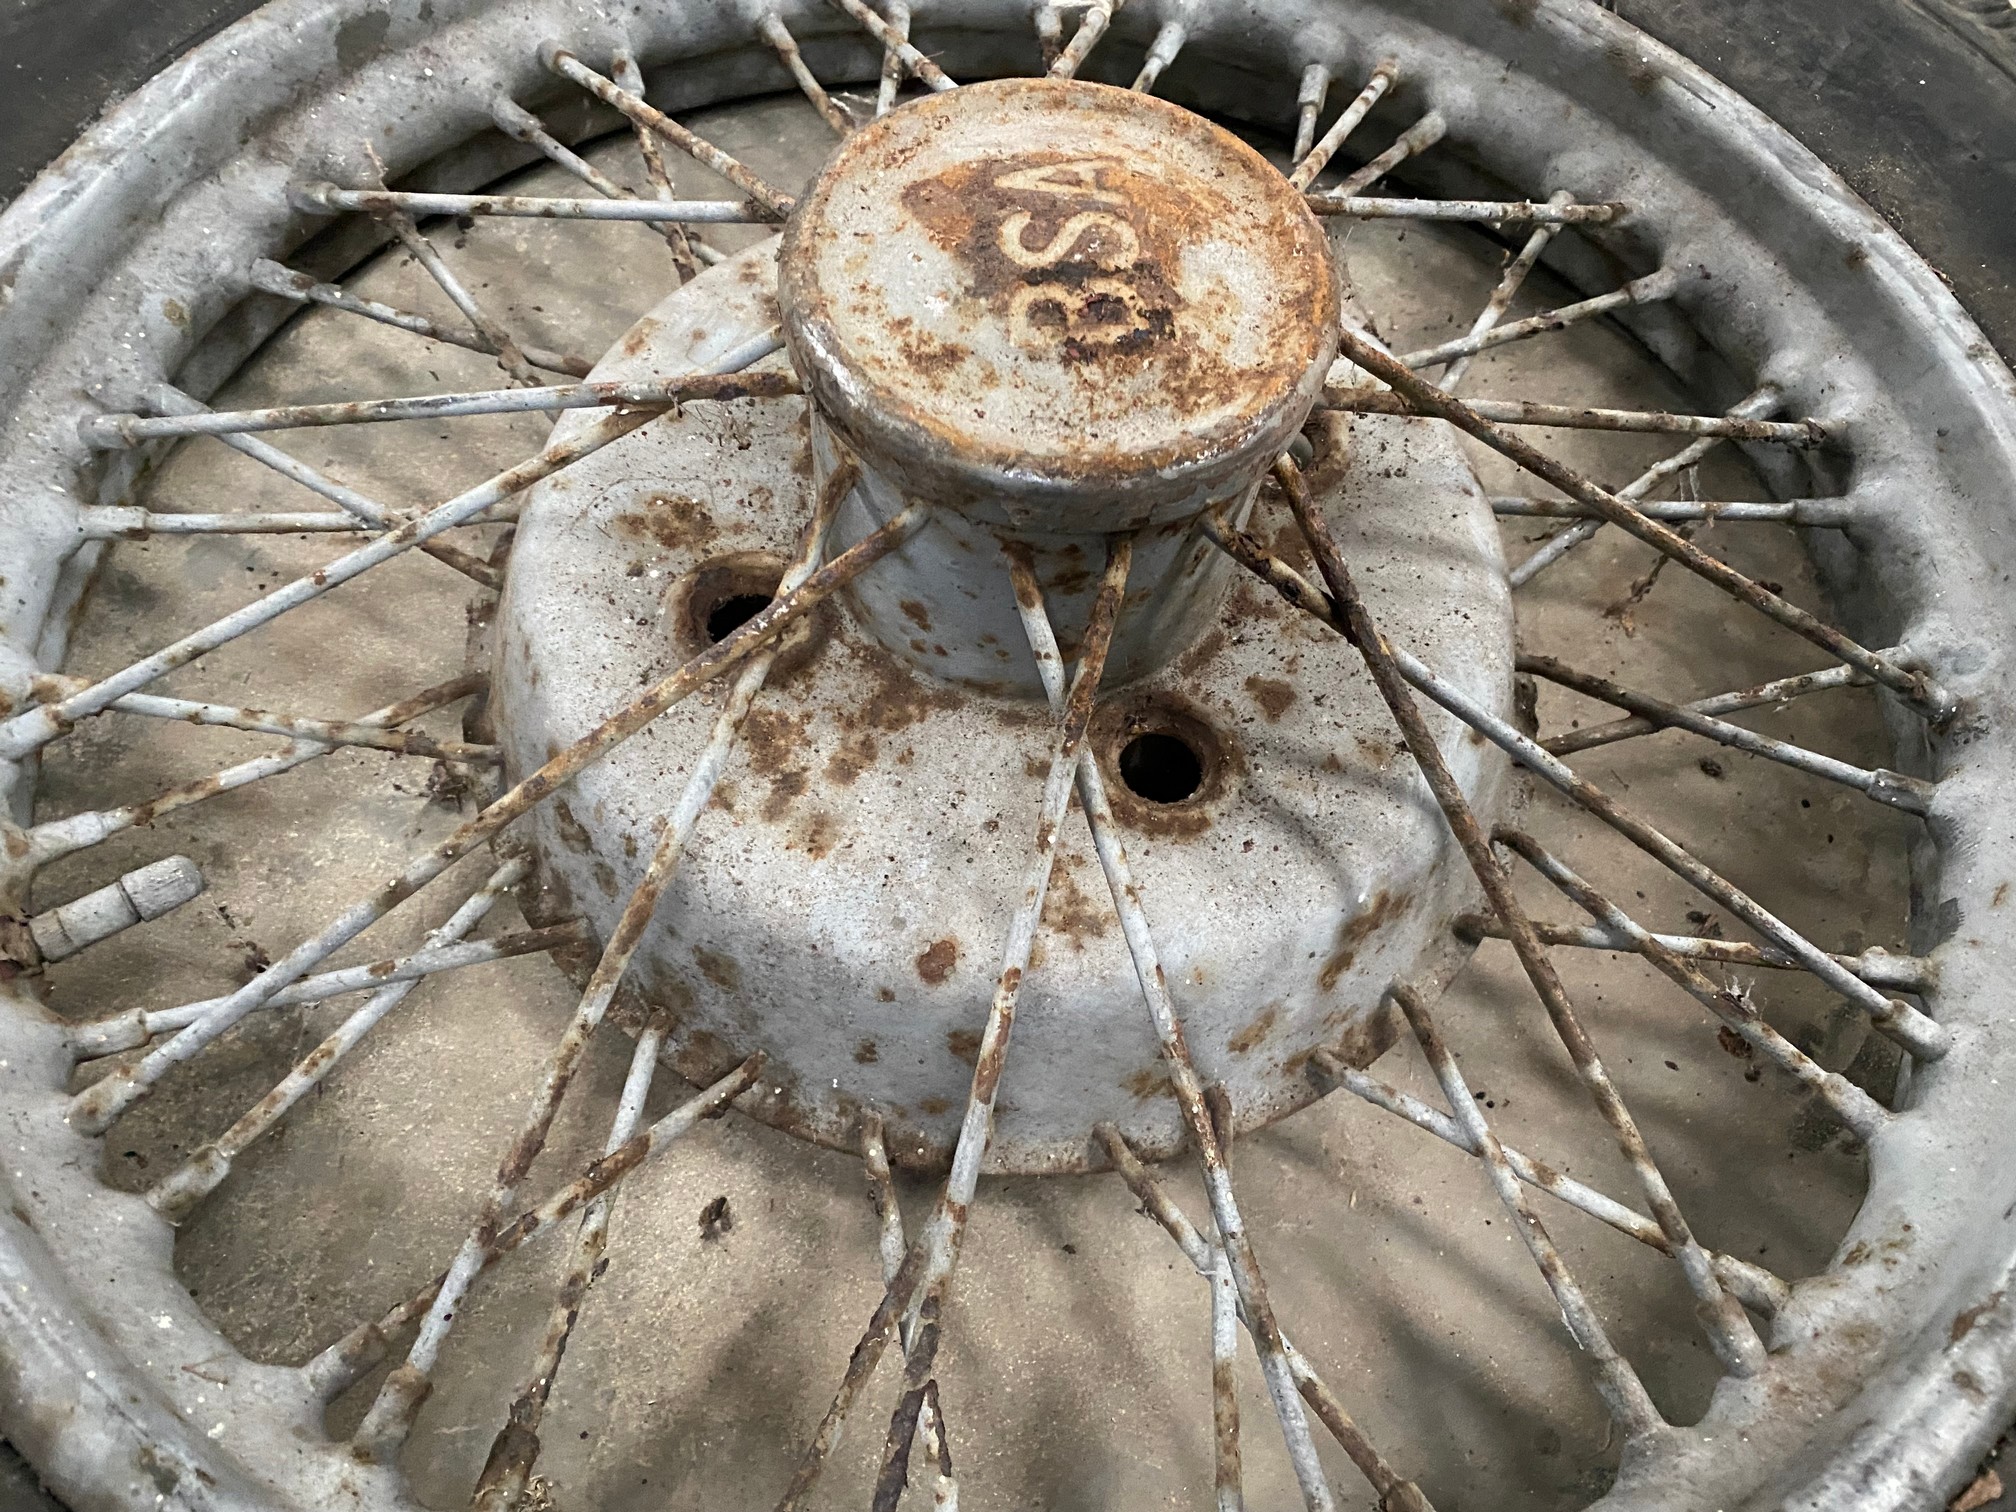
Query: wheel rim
x: 1919, y: 463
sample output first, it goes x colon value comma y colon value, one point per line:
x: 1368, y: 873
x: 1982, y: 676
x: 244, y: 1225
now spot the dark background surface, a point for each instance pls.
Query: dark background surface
x: 1912, y: 101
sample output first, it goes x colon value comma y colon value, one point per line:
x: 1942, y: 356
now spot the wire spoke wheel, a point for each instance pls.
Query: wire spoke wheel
x: 1371, y: 636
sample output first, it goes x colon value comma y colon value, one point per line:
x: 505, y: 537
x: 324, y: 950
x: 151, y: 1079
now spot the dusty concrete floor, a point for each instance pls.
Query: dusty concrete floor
x: 1076, y: 1369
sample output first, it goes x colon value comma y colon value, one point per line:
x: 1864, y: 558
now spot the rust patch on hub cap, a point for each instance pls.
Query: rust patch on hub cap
x: 1035, y: 284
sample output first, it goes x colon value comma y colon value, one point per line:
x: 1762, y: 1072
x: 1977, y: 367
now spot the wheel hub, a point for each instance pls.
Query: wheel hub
x: 1049, y: 347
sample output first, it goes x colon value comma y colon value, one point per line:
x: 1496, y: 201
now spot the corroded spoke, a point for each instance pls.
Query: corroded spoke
x: 1778, y: 691
x: 653, y: 393
x: 136, y: 1026
x: 1733, y: 1007
x: 1189, y: 1089
x: 778, y: 35
x: 1830, y: 513
x: 32, y: 730
x: 391, y: 1416
x: 1751, y: 1284
x: 914, y: 1294
x: 517, y: 1445
x: 339, y: 1365
x: 1395, y: 1493
x: 1912, y: 794
x: 170, y: 400
x: 1093, y: 19
x: 398, y: 219
x: 1416, y: 139
x: 1650, y: 289
x: 1227, y: 1474
x: 921, y: 67
x: 1616, y: 1381
x: 715, y: 212
x: 945, y: 1228
x: 1424, y: 398
x: 1921, y: 1035
x: 1162, y: 52
x: 94, y: 1109
x: 54, y: 838
x: 1722, y: 1317
x: 1496, y: 412
x: 1756, y: 405
x: 687, y: 252
x: 892, y: 1246
x: 1510, y: 282
x: 771, y: 198
x: 1876, y: 966
x: 125, y: 522
x: 893, y: 67
x: 175, y: 1196
x: 520, y: 124
x: 1367, y: 207
x: 334, y: 732
x: 300, y: 288
x: 515, y: 1450
x: 1310, y: 93
x: 1312, y: 160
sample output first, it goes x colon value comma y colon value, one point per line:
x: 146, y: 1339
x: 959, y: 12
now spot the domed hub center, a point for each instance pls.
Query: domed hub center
x: 1057, y: 310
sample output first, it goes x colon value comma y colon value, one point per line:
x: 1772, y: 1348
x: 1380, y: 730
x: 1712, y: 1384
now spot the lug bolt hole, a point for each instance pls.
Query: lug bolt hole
x: 731, y: 614
x: 1161, y: 768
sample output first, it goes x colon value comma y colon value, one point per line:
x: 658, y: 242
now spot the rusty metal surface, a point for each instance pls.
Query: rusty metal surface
x: 1035, y: 295
x: 855, y: 758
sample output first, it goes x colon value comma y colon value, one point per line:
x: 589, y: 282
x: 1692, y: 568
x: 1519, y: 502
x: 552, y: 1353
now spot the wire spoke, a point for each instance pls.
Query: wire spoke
x: 1650, y: 289
x: 334, y: 732
x: 93, y: 1110
x: 1616, y: 1381
x: 565, y: 64
x: 517, y: 1445
x: 1495, y: 412
x: 34, y: 729
x: 778, y: 35
x: 520, y: 124
x: 270, y: 277
x: 912, y: 1296
x: 1423, y: 397
x: 111, y: 431
x: 1093, y: 19
x: 945, y: 1228
x: 893, y: 68
x: 1162, y: 52
x: 55, y: 838
x: 400, y: 222
x: 1856, y: 1108
x: 1876, y: 966
x: 1310, y: 92
x: 688, y: 253
x: 1184, y: 1080
x: 1757, y: 405
x: 892, y: 1246
x: 170, y: 400
x: 718, y: 212
x: 1722, y: 1317
x: 1778, y: 691
x: 1312, y: 160
x: 1227, y: 1473
x: 136, y: 1026
x: 1416, y: 139
x: 1753, y: 1285
x: 922, y: 68
x: 1898, y: 790
x: 339, y: 1365
x: 176, y: 1195
x: 1912, y: 1029
x: 1395, y: 1493
x: 1828, y: 513
x: 1510, y: 282
x: 1367, y: 207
